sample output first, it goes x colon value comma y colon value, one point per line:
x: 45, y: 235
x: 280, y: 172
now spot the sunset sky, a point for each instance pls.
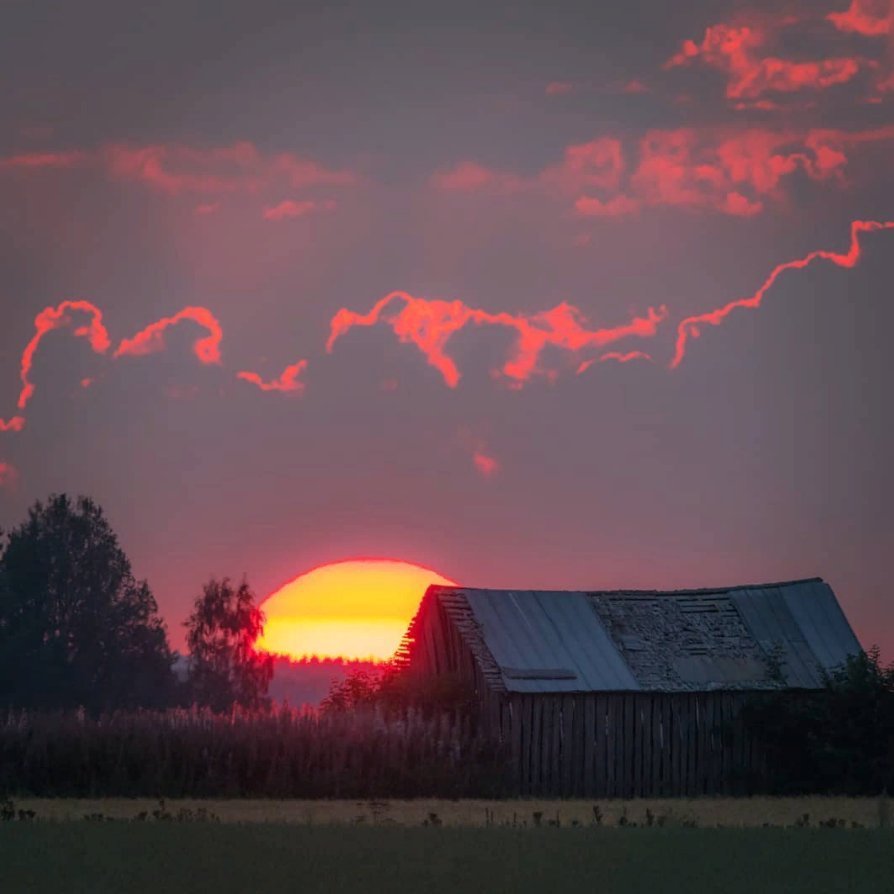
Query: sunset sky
x: 423, y: 281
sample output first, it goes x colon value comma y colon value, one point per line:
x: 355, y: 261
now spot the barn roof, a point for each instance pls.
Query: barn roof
x: 747, y: 637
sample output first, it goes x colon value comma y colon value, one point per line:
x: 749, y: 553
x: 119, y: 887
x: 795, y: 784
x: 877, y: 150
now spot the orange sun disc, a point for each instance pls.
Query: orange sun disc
x: 358, y: 609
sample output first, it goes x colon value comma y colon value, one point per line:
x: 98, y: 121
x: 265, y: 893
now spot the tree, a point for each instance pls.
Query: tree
x: 225, y: 668
x: 76, y: 627
x: 838, y: 740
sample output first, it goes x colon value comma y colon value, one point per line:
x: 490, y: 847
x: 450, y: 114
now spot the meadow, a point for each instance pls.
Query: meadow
x: 706, y: 813
x: 206, y: 857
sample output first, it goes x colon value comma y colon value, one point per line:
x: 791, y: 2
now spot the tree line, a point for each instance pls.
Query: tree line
x: 79, y: 630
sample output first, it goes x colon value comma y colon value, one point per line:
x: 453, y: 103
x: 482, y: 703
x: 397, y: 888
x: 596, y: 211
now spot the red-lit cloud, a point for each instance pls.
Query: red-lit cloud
x: 868, y: 18
x: 46, y: 321
x: 469, y: 176
x: 559, y: 88
x: 758, y: 75
x: 14, y: 424
x: 691, y: 327
x: 486, y: 465
x: 151, y: 339
x: 287, y: 382
x: 615, y: 357
x: 288, y: 209
x: 635, y: 85
x: 430, y: 323
x: 732, y: 171
x: 175, y: 169
x: 8, y: 475
x: 42, y: 160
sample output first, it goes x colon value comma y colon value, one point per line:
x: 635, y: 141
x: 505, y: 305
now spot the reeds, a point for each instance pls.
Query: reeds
x: 283, y: 753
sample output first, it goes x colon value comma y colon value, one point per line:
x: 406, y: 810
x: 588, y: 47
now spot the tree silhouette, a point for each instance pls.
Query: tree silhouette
x: 224, y: 667
x: 76, y: 627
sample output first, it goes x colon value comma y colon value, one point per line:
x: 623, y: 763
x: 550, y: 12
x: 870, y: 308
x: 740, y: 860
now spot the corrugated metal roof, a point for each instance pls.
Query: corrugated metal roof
x: 683, y: 640
x: 541, y: 632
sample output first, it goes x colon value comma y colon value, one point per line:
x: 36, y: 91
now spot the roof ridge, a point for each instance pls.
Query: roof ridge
x: 627, y: 591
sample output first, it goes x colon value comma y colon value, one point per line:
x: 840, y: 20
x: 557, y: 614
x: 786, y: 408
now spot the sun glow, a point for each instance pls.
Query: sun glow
x: 358, y: 609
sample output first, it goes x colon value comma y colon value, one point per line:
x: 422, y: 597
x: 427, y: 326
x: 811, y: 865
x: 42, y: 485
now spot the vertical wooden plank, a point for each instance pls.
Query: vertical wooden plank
x: 567, y: 744
x: 639, y: 746
x: 679, y: 741
x: 589, y: 775
x: 536, y: 744
x: 515, y: 726
x: 707, y: 776
x: 657, y: 782
x: 611, y: 745
x: 546, y: 742
x: 556, y: 756
x: 630, y: 744
x: 700, y: 756
x: 616, y: 753
x: 694, y: 740
x: 620, y: 748
x: 645, y: 716
x: 527, y: 725
x: 579, y: 727
x: 601, y: 775
x: 740, y: 769
x: 725, y: 722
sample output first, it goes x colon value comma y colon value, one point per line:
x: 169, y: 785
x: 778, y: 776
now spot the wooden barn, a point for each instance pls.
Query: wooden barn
x: 628, y: 693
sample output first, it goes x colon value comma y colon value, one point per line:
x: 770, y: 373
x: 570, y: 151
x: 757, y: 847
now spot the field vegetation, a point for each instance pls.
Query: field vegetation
x: 108, y: 858
x: 705, y: 813
x: 280, y: 753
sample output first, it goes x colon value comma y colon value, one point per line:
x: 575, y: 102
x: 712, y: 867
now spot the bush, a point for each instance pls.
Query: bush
x: 839, y: 740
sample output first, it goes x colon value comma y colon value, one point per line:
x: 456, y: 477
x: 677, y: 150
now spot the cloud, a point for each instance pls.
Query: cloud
x: 175, y: 169
x: 617, y: 206
x: 151, y: 339
x: 746, y: 51
x: 559, y: 88
x: 287, y: 382
x: 615, y: 357
x: 743, y: 53
x: 691, y: 327
x: 207, y: 172
x: 868, y: 18
x: 469, y: 176
x: 9, y: 475
x: 147, y: 341
x: 430, y: 323
x: 635, y: 85
x: 46, y: 321
x: 43, y: 160
x: 727, y: 170
x: 288, y: 209
x: 486, y: 465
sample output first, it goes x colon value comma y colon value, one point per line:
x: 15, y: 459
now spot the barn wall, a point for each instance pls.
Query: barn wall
x: 624, y: 745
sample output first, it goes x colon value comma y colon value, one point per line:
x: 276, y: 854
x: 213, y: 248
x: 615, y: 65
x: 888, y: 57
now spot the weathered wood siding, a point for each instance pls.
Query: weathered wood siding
x: 627, y: 745
x: 595, y: 744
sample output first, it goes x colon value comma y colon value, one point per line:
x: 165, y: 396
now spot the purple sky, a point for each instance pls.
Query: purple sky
x: 273, y: 166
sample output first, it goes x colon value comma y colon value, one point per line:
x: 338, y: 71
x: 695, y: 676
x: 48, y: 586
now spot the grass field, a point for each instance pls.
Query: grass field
x: 205, y: 857
x: 702, y: 812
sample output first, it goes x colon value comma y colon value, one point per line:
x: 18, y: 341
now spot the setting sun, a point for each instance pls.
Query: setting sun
x: 356, y: 609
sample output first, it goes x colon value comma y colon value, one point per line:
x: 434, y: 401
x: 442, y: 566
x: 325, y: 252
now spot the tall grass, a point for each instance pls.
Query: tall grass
x: 284, y: 753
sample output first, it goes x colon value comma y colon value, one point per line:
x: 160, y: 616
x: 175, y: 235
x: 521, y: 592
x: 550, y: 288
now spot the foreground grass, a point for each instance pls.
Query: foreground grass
x: 702, y: 812
x: 205, y: 857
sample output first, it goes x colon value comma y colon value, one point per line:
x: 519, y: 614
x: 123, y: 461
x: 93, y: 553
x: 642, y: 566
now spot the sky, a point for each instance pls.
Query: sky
x: 490, y: 287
